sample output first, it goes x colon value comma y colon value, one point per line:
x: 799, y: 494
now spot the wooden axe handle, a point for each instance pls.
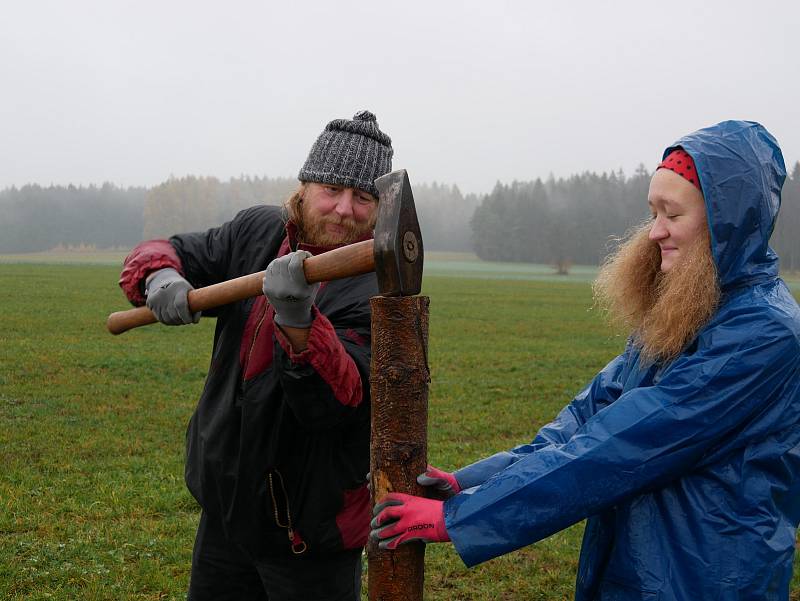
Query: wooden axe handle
x: 346, y: 261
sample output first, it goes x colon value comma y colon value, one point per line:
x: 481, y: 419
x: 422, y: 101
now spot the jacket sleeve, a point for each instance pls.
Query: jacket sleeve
x: 329, y: 381
x: 203, y: 258
x: 732, y: 389
x: 603, y: 390
x: 144, y: 259
x: 220, y: 253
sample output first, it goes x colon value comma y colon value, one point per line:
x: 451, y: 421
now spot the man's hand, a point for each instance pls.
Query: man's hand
x: 402, y: 518
x: 166, y: 296
x: 443, y: 483
x: 288, y: 292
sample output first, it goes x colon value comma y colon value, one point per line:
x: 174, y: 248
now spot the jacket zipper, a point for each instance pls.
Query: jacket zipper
x: 298, y: 544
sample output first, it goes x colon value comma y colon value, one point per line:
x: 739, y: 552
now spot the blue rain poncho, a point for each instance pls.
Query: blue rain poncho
x: 689, y: 472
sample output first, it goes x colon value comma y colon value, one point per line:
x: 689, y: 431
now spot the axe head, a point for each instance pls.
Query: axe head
x: 398, y: 240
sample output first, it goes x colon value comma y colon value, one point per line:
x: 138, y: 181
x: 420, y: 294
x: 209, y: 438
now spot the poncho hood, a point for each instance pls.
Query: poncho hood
x: 741, y: 172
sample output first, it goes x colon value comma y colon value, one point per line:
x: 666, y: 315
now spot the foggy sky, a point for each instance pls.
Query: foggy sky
x: 470, y: 92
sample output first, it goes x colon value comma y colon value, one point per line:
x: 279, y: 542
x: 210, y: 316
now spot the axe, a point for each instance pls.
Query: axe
x: 395, y: 254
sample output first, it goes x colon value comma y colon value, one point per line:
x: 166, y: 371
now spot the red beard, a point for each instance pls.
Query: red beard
x: 315, y: 229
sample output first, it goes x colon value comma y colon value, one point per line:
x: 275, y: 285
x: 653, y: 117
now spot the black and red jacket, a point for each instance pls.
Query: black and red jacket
x: 277, y: 438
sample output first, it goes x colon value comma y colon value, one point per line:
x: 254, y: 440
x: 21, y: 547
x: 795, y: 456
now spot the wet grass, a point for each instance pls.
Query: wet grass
x: 92, y: 500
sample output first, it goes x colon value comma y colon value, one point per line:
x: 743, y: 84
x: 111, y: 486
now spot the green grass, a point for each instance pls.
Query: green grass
x: 93, y: 504
x: 92, y: 500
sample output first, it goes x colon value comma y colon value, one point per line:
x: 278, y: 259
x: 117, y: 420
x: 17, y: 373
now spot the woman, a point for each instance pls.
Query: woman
x: 684, y: 451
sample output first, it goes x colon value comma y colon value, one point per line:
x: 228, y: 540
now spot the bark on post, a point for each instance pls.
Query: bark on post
x: 399, y: 378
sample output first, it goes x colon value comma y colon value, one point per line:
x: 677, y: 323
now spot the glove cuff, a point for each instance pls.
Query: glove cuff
x: 302, y: 320
x: 441, y: 527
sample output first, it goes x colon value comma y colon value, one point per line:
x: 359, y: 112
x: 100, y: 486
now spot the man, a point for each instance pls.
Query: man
x: 684, y: 451
x: 278, y: 446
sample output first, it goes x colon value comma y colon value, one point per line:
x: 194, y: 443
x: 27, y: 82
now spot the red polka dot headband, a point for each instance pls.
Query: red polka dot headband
x: 681, y: 163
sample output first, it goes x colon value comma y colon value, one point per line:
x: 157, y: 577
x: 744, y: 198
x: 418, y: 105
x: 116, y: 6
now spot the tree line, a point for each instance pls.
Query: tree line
x: 36, y: 218
x: 194, y: 204
x: 574, y: 220
x: 559, y: 222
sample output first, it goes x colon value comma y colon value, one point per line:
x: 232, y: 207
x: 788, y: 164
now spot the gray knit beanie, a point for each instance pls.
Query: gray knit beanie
x: 351, y: 153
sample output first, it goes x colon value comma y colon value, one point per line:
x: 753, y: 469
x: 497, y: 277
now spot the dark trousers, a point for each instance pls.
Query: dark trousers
x: 223, y: 571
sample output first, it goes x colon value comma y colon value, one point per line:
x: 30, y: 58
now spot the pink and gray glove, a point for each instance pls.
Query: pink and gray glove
x: 444, y: 483
x: 403, y: 518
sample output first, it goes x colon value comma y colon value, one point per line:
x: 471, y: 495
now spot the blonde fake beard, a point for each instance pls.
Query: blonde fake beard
x: 665, y: 311
x: 311, y: 229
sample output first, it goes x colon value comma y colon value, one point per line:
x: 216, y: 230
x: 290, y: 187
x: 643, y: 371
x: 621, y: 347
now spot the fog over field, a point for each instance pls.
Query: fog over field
x: 124, y: 120
x: 471, y: 92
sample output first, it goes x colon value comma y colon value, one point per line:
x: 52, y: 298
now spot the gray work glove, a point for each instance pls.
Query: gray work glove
x: 288, y: 292
x: 166, y: 293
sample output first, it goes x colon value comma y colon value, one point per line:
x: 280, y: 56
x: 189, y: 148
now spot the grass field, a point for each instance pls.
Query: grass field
x: 92, y: 501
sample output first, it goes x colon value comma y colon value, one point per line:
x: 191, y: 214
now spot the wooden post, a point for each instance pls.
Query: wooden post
x: 399, y: 378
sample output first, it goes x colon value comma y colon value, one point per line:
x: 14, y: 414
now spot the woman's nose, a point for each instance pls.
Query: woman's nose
x: 657, y: 230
